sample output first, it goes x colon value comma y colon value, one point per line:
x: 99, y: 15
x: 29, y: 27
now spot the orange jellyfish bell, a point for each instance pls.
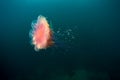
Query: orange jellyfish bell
x: 41, y: 34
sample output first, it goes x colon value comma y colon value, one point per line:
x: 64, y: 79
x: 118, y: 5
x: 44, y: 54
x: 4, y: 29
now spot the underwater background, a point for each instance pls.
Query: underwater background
x: 87, y: 43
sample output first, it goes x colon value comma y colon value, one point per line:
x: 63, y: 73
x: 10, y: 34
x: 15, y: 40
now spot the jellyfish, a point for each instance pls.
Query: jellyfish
x: 41, y: 34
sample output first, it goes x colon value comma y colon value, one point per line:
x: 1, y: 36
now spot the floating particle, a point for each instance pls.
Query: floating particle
x: 41, y: 34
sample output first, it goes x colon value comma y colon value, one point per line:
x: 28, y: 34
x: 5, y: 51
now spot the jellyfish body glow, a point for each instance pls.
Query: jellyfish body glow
x: 41, y: 34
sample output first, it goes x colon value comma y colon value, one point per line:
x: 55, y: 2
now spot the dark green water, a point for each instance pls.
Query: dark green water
x: 93, y: 54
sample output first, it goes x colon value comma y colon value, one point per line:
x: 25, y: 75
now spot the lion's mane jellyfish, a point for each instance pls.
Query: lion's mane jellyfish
x: 41, y: 34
